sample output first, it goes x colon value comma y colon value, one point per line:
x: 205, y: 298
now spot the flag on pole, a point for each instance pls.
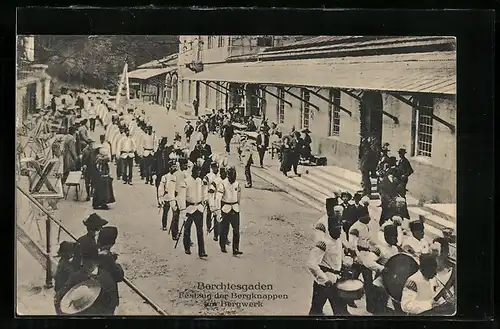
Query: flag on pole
x: 123, y: 87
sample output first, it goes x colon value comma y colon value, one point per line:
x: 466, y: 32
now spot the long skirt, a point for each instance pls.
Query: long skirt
x: 103, y: 192
x: 286, y: 162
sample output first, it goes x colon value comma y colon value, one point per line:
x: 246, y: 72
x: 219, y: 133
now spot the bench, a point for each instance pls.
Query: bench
x: 73, y: 180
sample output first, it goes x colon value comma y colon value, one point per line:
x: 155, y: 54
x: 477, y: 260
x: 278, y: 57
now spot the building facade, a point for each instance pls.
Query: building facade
x: 400, y: 90
x: 156, y: 82
x: 202, y: 52
x: 32, y: 83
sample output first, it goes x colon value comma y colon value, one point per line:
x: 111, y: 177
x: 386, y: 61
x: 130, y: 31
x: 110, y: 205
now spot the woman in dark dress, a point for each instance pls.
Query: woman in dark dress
x: 103, y: 183
x: 286, y: 156
x: 306, y: 144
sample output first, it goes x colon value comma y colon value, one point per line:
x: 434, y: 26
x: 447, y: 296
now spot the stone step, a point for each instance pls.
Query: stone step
x: 436, y: 209
x: 334, y: 180
x: 278, y: 180
x: 341, y: 182
x: 432, y: 219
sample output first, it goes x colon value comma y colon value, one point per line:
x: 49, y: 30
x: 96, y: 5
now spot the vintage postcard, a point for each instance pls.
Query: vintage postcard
x: 257, y: 175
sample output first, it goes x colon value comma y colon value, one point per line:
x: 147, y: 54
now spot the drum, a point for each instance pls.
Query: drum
x: 350, y: 289
x: 397, y: 270
x: 81, y: 297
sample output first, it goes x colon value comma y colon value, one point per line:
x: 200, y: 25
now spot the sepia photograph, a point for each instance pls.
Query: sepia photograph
x: 235, y: 175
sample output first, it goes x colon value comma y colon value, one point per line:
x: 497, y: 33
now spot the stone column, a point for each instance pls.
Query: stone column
x: 39, y: 94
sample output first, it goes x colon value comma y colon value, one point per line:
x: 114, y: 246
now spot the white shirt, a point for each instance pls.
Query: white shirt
x: 127, y: 145
x: 148, y: 144
x: 359, y: 235
x: 191, y: 191
x: 376, y: 260
x: 418, y: 294
x: 328, y: 253
x: 229, y: 196
x: 415, y: 247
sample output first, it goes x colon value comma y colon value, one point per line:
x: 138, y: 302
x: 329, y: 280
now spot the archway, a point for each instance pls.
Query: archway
x: 371, y: 111
x: 174, y: 91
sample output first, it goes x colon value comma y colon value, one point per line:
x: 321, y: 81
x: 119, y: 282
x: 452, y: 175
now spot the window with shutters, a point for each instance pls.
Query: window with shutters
x: 280, y: 106
x: 305, y: 110
x: 210, y: 42
x: 424, y: 125
x: 334, y: 113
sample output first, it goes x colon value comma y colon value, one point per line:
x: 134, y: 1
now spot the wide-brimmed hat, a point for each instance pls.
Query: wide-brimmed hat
x: 66, y: 248
x: 385, y: 147
x: 80, y: 297
x: 346, y: 194
x: 95, y: 221
x: 402, y: 149
x: 306, y: 131
x: 107, y: 236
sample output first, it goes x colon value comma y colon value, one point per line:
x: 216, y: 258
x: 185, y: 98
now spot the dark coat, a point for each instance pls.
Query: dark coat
x: 64, y: 270
x: 160, y: 165
x: 70, y: 158
x: 84, y: 245
x: 110, y: 274
x: 404, y: 168
x: 259, y: 142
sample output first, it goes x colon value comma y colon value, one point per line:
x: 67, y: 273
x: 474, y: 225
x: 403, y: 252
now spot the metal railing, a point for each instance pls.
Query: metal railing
x: 36, y: 205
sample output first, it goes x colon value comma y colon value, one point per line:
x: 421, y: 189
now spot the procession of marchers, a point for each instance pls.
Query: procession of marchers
x: 400, y: 273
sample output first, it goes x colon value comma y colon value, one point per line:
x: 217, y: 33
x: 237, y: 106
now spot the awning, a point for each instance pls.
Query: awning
x: 144, y: 74
x: 425, y: 72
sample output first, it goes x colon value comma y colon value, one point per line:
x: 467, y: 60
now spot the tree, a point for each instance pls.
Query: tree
x: 97, y: 61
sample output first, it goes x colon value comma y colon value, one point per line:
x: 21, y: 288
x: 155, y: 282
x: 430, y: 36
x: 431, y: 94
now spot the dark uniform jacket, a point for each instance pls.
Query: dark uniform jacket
x: 63, y: 272
x: 259, y: 141
x: 160, y: 166
x: 85, y: 244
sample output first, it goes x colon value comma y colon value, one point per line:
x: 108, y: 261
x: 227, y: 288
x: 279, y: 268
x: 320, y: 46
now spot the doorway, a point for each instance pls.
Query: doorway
x: 371, y: 111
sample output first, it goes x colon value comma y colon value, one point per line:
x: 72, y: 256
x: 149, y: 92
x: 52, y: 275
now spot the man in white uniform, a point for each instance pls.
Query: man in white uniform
x: 421, y: 288
x: 148, y: 145
x: 325, y: 264
x: 211, y: 181
x: 228, y: 210
x: 166, y: 197
x: 191, y: 207
x: 127, y: 151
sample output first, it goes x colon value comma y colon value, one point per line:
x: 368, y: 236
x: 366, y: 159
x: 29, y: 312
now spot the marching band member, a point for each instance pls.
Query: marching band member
x: 397, y: 222
x: 191, y: 208
x: 161, y: 161
x: 180, y: 179
x: 139, y: 159
x: 359, y: 241
x: 126, y: 150
x: 148, y: 146
x: 101, y: 111
x: 92, y: 113
x: 166, y: 196
x: 376, y: 261
x: 420, y: 288
x: 228, y: 210
x: 415, y: 242
x: 211, y: 181
x: 112, y: 137
x: 325, y: 264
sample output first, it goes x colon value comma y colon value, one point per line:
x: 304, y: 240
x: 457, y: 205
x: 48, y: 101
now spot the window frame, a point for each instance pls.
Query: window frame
x: 303, y: 107
x: 424, y: 127
x: 280, y: 106
x: 334, y: 95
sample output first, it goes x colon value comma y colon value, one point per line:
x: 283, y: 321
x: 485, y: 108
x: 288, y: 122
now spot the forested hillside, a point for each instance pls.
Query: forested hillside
x: 97, y: 61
